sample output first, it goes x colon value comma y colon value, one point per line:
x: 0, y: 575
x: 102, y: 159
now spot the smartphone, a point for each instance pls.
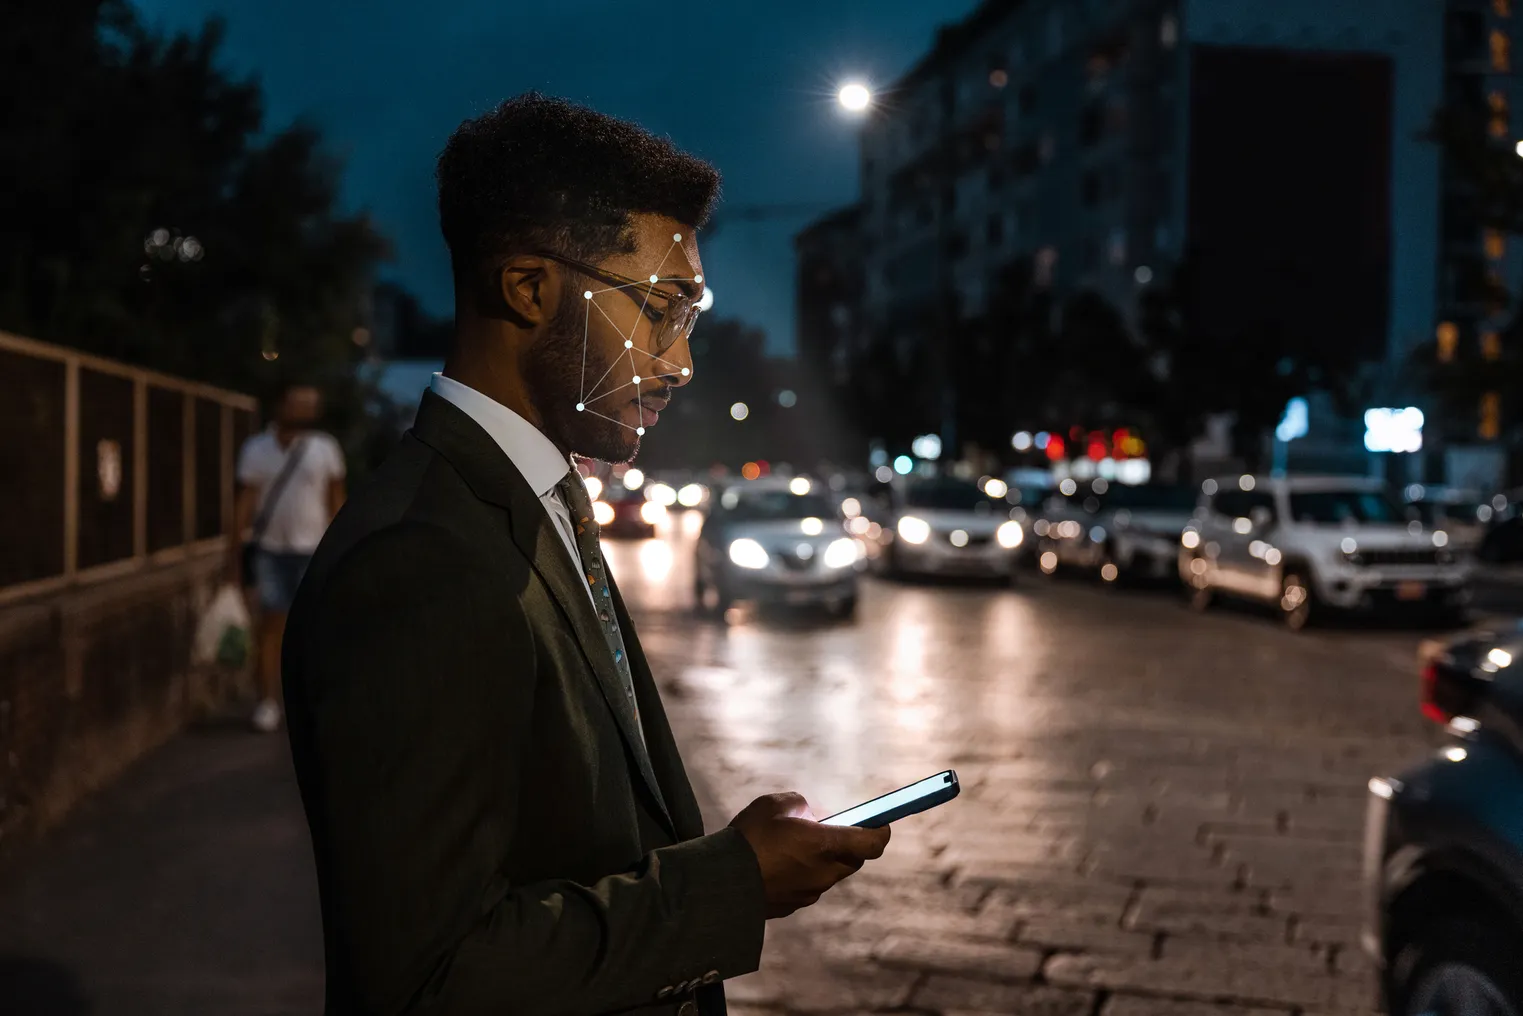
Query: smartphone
x: 910, y: 800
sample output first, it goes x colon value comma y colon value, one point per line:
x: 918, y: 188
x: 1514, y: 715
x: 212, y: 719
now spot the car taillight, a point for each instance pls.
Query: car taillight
x: 1428, y: 682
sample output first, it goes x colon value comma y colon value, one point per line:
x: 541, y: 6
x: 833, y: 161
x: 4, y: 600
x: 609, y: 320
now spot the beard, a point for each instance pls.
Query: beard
x: 554, y: 370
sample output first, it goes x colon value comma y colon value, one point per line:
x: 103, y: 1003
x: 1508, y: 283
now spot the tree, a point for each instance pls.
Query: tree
x: 149, y: 221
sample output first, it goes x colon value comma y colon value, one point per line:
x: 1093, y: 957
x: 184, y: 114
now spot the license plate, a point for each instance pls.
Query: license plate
x: 1411, y: 590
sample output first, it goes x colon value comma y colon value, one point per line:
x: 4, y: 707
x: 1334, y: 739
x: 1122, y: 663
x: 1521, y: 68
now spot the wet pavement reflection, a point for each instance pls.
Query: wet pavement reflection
x: 1144, y: 787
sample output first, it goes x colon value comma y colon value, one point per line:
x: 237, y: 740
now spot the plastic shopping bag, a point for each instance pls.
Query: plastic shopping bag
x: 222, y: 636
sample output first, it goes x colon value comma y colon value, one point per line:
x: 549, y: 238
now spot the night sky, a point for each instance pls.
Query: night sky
x: 747, y: 85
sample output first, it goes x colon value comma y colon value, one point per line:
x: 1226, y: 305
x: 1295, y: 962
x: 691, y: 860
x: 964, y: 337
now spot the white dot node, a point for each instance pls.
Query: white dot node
x: 655, y: 278
x: 628, y: 344
x: 587, y: 294
x: 640, y: 431
x: 685, y: 372
x: 637, y: 379
x: 698, y: 278
x: 676, y: 237
x: 580, y: 406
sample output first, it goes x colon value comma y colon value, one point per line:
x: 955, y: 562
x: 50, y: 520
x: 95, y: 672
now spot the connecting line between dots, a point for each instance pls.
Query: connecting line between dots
x: 582, y: 400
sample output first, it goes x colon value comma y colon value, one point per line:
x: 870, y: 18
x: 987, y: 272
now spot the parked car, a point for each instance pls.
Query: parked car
x: 1027, y: 500
x: 1463, y: 514
x: 763, y: 542
x: 1503, y: 542
x: 1443, y: 855
x: 1119, y: 532
x: 948, y: 526
x: 1309, y: 544
x: 628, y: 515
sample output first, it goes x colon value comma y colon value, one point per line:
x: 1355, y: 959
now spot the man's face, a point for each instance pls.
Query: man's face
x: 300, y: 408
x: 596, y: 376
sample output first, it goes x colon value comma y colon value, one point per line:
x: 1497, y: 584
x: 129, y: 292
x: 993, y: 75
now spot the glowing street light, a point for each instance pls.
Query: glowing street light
x: 854, y: 97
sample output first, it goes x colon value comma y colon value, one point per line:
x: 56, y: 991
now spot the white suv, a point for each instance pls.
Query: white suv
x: 1304, y: 544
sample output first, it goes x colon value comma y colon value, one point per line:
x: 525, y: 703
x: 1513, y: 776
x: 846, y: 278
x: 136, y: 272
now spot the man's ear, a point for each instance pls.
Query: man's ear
x: 528, y: 290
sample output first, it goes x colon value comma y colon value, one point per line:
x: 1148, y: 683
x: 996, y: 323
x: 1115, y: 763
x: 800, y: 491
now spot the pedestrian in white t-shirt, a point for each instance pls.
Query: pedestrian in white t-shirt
x: 291, y: 483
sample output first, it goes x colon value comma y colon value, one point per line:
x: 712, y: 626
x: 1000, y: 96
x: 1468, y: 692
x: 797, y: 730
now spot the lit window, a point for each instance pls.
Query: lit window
x: 998, y: 78
x: 1501, y: 51
x: 1496, y: 245
x: 1501, y: 8
x: 1491, y: 346
x: 1491, y: 416
x: 1168, y: 31
x: 1448, y: 341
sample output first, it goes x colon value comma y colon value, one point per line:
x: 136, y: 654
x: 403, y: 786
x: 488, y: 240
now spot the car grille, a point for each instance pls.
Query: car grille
x: 975, y: 541
x: 1390, y: 558
x: 793, y: 562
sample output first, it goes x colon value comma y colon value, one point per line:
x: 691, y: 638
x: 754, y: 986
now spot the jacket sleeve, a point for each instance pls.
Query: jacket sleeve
x: 420, y: 664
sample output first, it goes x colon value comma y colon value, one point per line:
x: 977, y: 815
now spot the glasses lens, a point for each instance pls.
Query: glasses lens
x: 681, y: 315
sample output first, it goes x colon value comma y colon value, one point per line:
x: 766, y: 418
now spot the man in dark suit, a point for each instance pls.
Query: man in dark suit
x: 499, y: 812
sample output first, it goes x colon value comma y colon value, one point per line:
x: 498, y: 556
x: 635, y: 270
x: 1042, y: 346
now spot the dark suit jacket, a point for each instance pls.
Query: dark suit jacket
x: 490, y: 835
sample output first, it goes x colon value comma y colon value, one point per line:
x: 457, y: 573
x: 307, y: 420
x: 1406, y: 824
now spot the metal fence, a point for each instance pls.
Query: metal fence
x: 106, y: 468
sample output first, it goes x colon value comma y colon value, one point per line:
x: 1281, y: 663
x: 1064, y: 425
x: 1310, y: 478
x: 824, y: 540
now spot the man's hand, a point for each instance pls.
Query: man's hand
x: 800, y: 858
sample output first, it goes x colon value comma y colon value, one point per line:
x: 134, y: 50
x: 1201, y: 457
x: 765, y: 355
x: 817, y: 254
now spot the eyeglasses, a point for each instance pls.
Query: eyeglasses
x: 671, y: 322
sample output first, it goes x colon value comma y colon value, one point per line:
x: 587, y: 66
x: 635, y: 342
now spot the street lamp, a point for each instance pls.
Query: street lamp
x: 854, y: 97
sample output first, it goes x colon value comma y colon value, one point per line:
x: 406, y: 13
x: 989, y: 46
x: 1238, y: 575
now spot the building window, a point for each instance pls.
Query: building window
x: 994, y: 230
x: 1499, y: 119
x: 1501, y: 51
x: 1046, y: 266
x: 1448, y: 341
x: 1501, y: 8
x: 999, y: 78
x: 1168, y: 31
x: 1118, y: 247
x: 1496, y: 245
x: 1491, y: 346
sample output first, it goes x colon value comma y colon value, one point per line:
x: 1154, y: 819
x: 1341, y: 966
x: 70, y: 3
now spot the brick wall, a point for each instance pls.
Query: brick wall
x: 93, y: 678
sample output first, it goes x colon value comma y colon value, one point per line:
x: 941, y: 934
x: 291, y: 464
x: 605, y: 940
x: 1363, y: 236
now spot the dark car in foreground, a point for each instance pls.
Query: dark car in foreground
x: 1443, y: 854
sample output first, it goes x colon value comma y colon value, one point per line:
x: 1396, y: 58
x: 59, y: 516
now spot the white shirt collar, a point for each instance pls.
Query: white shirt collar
x: 533, y: 453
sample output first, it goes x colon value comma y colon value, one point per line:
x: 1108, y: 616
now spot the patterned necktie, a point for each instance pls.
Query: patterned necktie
x: 573, y: 492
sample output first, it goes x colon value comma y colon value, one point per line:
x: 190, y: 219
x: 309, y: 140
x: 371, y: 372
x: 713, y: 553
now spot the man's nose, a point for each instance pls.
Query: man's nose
x: 677, y: 364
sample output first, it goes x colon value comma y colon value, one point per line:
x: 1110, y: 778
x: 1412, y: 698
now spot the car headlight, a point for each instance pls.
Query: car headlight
x: 747, y: 553
x: 842, y: 553
x: 913, y: 530
x: 653, y: 512
x: 1010, y: 535
x: 602, y: 512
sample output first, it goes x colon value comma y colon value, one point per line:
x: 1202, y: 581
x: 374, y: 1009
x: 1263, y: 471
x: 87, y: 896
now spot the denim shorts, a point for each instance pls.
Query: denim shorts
x: 276, y: 577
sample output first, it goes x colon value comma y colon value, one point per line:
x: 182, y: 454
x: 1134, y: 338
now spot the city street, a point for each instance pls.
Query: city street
x: 1161, y: 813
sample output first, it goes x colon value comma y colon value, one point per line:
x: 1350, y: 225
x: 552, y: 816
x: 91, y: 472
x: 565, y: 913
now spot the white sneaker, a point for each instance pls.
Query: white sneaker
x: 267, y: 716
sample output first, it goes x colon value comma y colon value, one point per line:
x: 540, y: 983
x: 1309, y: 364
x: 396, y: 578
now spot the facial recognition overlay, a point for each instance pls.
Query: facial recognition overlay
x: 625, y: 370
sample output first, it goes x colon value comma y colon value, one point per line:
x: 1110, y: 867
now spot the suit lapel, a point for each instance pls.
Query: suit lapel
x: 493, y: 478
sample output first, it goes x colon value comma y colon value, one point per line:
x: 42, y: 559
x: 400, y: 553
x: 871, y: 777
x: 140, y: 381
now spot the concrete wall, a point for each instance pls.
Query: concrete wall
x: 91, y: 679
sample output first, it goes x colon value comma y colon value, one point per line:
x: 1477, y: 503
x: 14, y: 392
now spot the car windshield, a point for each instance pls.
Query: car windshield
x: 1147, y: 496
x: 1436, y: 512
x: 761, y: 505
x: 947, y: 495
x: 1338, y: 507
